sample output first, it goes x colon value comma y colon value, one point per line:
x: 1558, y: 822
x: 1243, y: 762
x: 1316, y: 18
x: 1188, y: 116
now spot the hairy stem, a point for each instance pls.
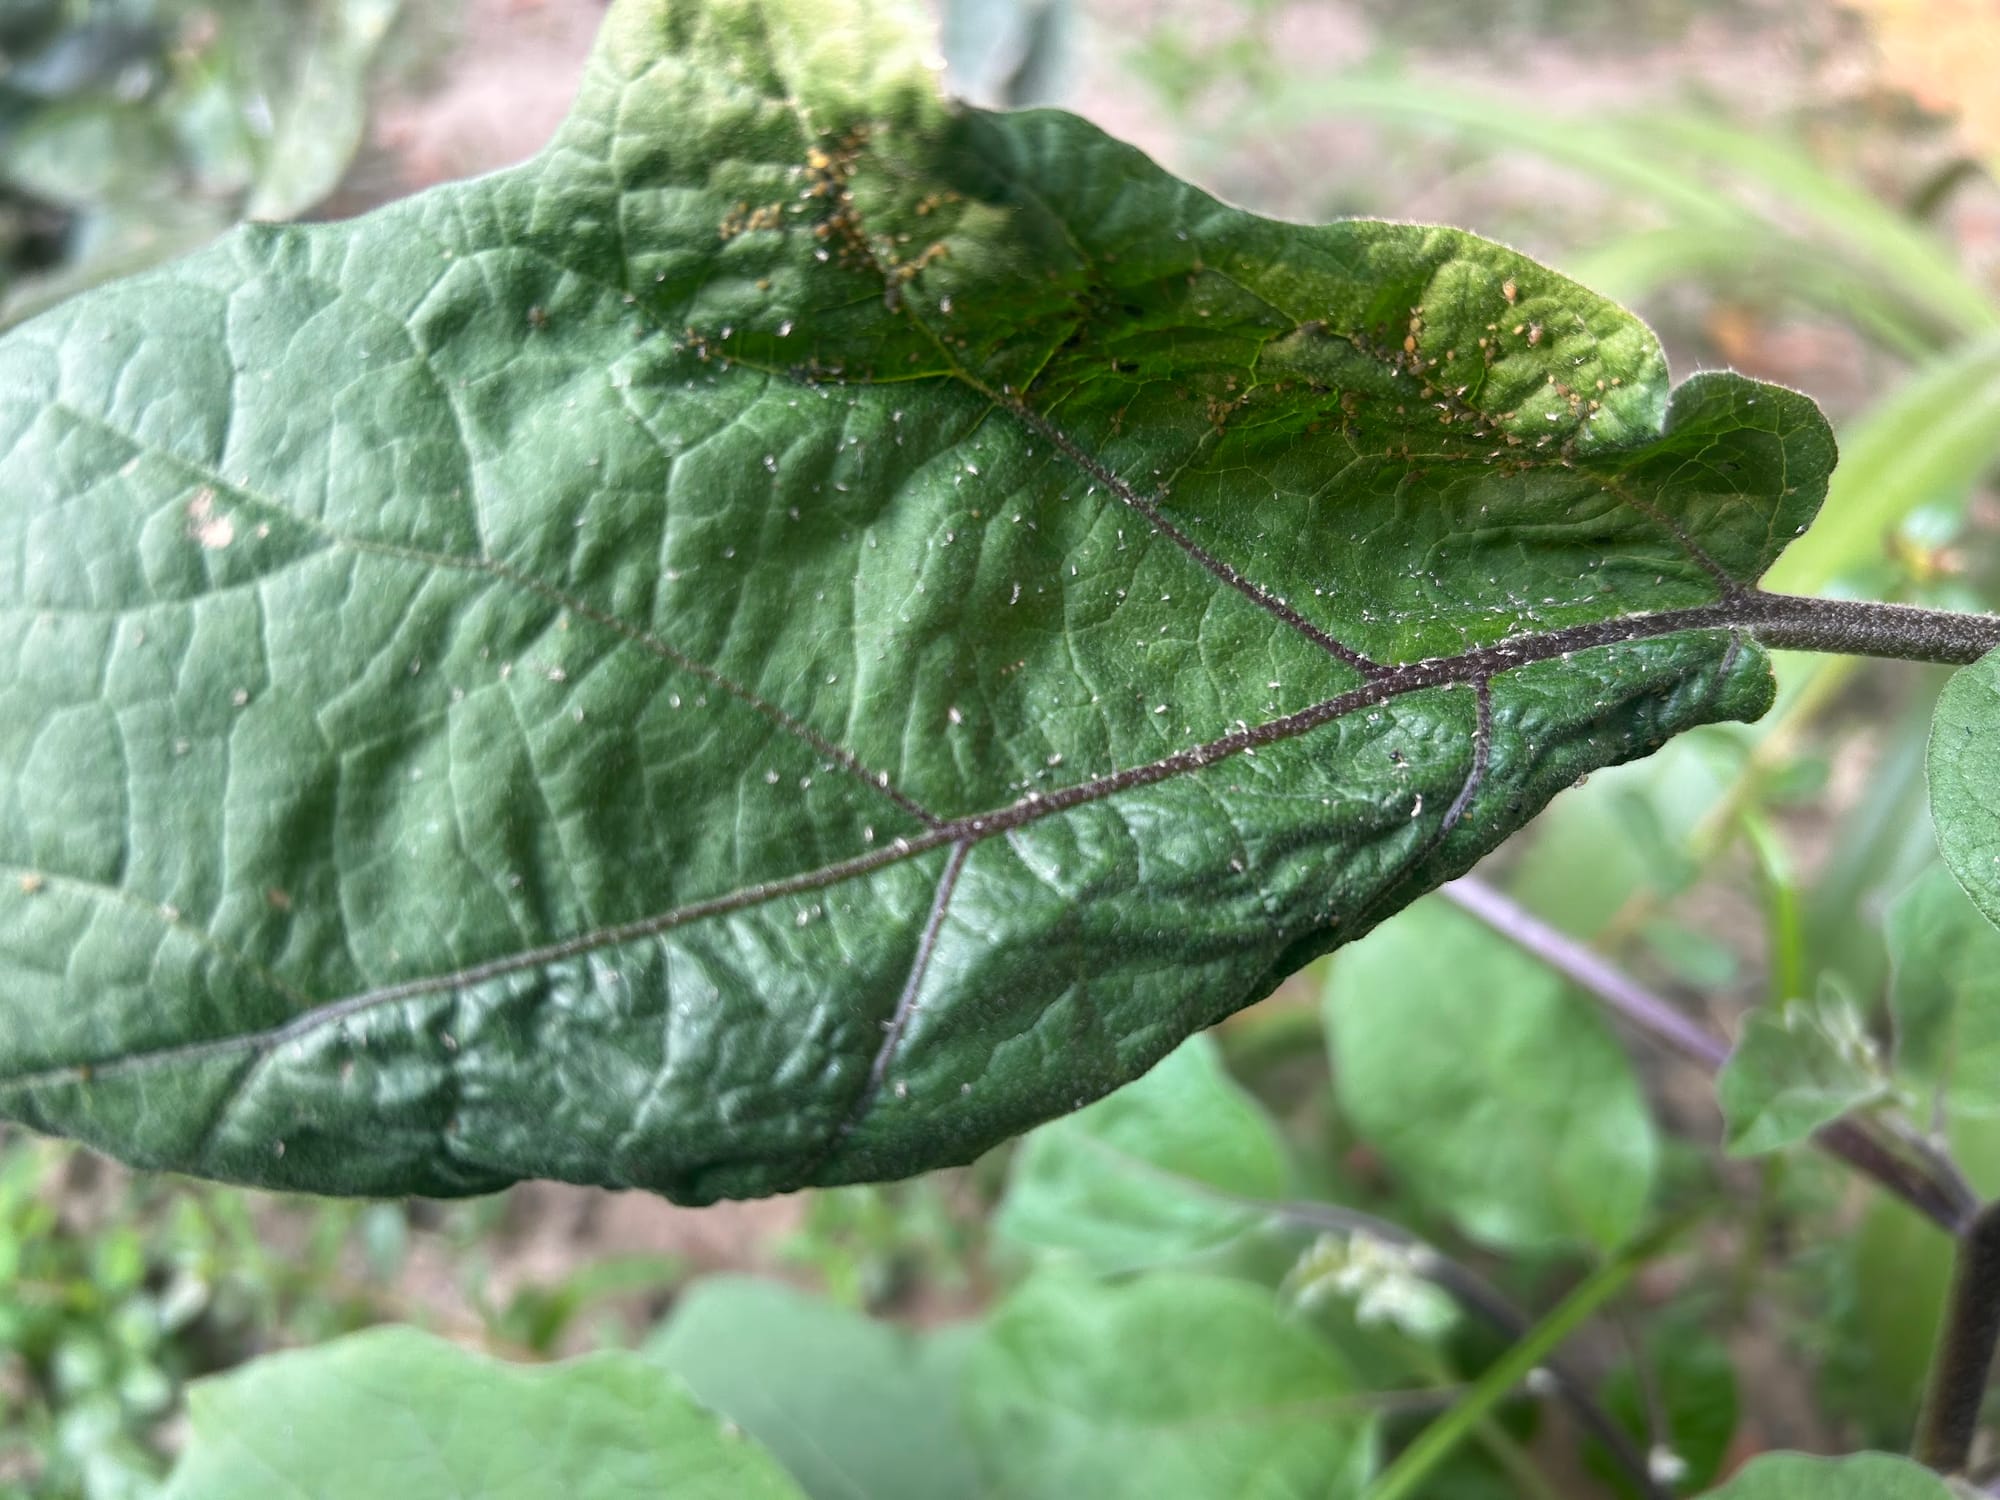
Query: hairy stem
x: 1789, y: 622
x: 1854, y: 627
x: 1966, y: 1340
x: 1905, y: 1164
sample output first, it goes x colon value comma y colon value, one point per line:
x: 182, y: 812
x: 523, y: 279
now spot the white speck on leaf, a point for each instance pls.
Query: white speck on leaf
x: 209, y: 529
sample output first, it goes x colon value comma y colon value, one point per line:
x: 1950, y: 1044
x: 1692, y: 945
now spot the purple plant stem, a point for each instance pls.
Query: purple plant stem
x: 1905, y: 1165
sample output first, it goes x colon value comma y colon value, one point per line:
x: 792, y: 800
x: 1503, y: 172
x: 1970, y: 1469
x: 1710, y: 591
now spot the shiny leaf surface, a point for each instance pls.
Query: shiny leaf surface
x: 1946, y: 997
x: 798, y: 634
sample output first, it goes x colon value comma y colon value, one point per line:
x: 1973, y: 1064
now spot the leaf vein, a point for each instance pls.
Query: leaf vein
x: 493, y: 568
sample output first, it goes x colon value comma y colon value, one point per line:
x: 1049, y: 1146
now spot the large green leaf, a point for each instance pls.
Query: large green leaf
x: 1158, y: 1172
x: 1947, y: 993
x: 1863, y: 1476
x: 396, y: 1412
x: 1496, y: 1093
x: 1964, y: 766
x: 855, y: 1409
x: 1166, y: 1385
x: 1795, y: 1067
x: 798, y: 634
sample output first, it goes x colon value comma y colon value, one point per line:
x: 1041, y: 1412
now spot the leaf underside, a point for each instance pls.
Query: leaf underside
x: 798, y: 634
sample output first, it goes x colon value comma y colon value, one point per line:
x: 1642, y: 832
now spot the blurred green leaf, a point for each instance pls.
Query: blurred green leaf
x: 1497, y: 1095
x: 1169, y: 1385
x: 155, y: 131
x: 1864, y: 1476
x: 1623, y: 836
x: 1797, y: 1065
x: 321, y: 110
x: 1879, y: 846
x: 1698, y: 959
x: 1892, y: 1272
x: 1946, y: 993
x: 1964, y: 767
x: 1149, y: 1174
x: 1006, y: 53
x: 855, y: 1408
x: 394, y: 1412
x: 1871, y: 1332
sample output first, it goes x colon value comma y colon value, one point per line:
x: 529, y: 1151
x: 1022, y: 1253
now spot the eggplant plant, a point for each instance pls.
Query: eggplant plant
x: 811, y: 629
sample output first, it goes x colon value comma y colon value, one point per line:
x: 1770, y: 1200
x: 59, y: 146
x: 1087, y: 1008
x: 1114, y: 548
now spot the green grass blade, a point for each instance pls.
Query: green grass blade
x: 1605, y: 149
x: 1935, y: 436
x: 1907, y: 257
x: 1770, y: 266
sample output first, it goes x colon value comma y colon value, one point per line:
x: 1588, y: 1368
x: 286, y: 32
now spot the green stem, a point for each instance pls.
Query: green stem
x: 1782, y: 917
x: 1500, y: 1446
x: 1404, y: 1479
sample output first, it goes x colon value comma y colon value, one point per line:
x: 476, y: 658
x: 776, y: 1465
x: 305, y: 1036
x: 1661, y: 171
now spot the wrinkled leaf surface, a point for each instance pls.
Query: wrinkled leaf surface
x: 798, y: 634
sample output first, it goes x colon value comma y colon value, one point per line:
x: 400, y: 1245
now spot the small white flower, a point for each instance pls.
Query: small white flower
x: 1385, y: 1282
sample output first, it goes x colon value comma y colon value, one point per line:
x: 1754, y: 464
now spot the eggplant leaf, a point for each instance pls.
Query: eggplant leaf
x: 799, y: 633
x: 1963, y: 760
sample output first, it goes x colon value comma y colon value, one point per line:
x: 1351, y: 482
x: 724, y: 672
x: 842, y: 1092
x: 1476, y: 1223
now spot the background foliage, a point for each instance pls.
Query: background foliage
x: 1215, y: 1249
